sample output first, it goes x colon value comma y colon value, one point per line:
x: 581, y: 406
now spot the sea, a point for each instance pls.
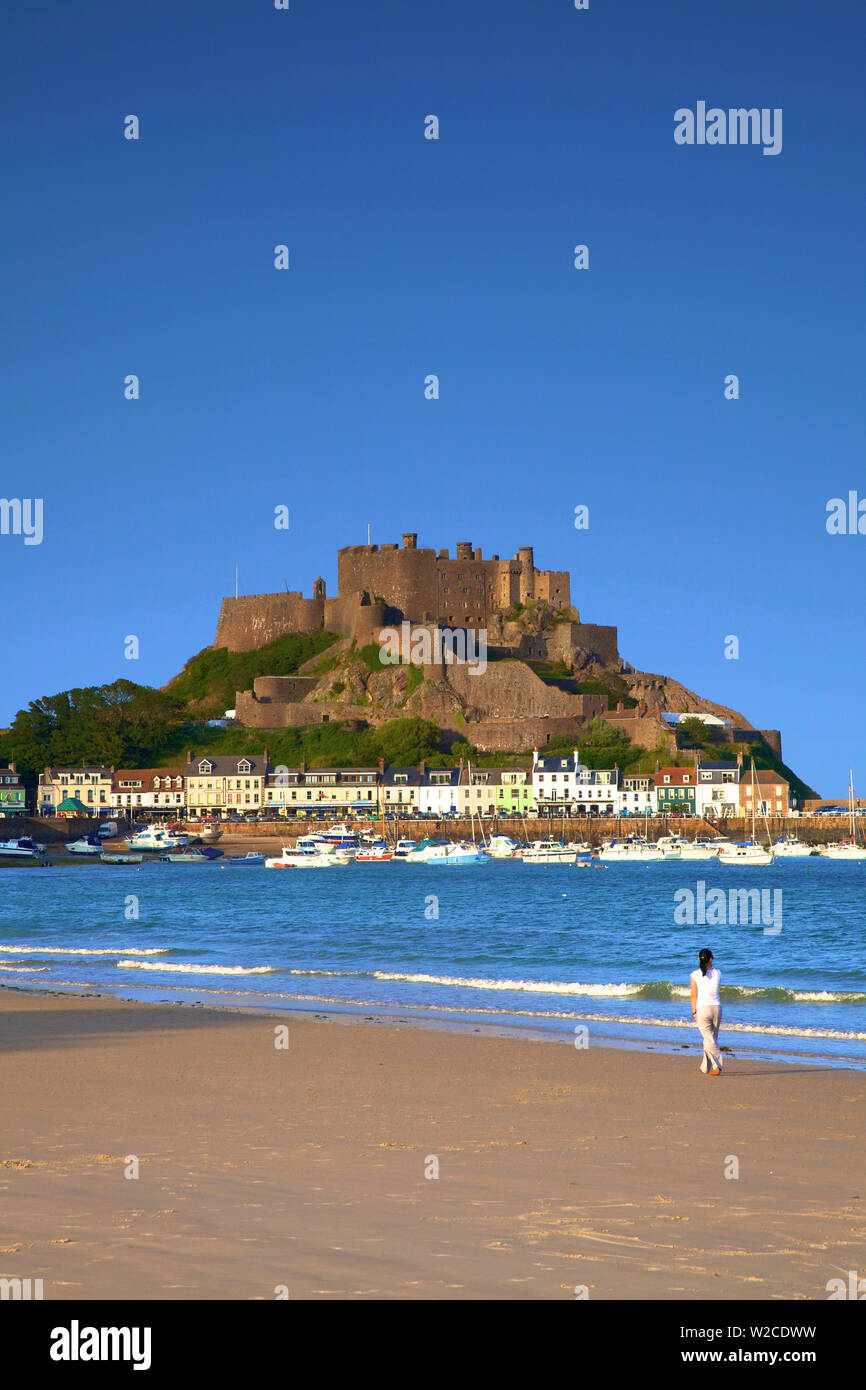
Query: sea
x: 586, y: 953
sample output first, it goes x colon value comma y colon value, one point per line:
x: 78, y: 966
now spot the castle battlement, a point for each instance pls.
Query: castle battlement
x: 395, y: 583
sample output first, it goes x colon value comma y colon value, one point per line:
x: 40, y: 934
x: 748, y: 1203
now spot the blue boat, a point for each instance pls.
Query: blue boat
x: 251, y: 857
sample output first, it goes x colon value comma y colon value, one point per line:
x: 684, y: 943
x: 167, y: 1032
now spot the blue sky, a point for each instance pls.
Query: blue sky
x: 558, y: 387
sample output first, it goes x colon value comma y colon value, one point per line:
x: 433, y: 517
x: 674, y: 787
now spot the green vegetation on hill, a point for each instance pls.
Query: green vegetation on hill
x: 400, y: 741
x: 118, y: 724
x: 209, y: 681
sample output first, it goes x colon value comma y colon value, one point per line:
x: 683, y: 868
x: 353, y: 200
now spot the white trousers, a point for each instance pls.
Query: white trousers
x: 708, y: 1018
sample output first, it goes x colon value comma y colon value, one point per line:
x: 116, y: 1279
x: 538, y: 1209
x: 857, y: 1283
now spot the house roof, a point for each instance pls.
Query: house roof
x: 51, y: 773
x: 677, y: 777
x: 146, y: 775
x: 763, y: 778
x: 227, y: 765
x: 440, y: 773
x: 409, y: 776
x: 550, y: 763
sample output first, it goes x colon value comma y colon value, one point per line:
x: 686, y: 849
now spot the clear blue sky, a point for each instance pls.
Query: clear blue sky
x: 409, y: 257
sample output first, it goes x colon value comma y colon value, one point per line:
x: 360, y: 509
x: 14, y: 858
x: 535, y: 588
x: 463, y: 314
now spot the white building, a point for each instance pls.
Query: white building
x: 717, y: 792
x: 637, y: 794
x: 560, y: 783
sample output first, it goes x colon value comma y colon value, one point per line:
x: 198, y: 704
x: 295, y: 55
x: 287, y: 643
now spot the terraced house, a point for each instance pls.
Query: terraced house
x: 220, y: 783
x: 562, y: 784
x: 342, y: 791
x: 675, y: 790
x: 92, y: 786
x: 11, y: 792
x: 150, y: 789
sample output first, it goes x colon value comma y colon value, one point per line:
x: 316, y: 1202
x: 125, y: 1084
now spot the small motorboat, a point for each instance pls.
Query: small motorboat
x: 341, y: 836
x: 403, y: 849
x: 502, y: 847
x: 121, y: 858
x: 156, y: 837
x: 747, y: 854
x: 191, y: 856
x: 376, y: 854
x: 247, y: 860
x: 22, y: 848
x: 464, y: 852
x: 549, y: 852
x: 306, y: 858
x: 86, y: 845
x: 790, y: 847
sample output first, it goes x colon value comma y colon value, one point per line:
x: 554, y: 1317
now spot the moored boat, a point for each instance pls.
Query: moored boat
x: 157, y: 838
x: 295, y: 857
x: 502, y: 847
x: 549, y: 852
x: 86, y: 845
x: 850, y: 848
x: 121, y: 858
x: 250, y: 859
x: 463, y: 852
x: 789, y: 847
x: 746, y: 853
x: 21, y: 848
x: 632, y: 849
x: 191, y: 856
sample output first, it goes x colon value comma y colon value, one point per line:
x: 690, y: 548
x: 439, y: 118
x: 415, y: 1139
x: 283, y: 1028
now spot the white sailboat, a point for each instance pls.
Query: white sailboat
x: 847, y: 849
x: 748, y: 853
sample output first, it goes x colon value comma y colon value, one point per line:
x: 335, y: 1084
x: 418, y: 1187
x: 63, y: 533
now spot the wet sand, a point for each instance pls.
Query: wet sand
x: 305, y: 1168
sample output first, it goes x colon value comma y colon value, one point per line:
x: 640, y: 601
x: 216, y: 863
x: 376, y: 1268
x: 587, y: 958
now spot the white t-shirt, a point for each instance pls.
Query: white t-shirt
x: 708, y: 987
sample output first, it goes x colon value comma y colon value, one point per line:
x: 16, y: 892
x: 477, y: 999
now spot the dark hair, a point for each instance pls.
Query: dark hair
x: 704, y: 958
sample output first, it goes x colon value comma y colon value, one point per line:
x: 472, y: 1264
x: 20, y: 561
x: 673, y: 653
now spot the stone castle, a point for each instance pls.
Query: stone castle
x: 526, y: 613
x: 384, y: 584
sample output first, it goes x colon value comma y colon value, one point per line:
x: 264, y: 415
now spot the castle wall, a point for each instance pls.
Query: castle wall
x: 599, y: 642
x: 517, y: 735
x: 254, y: 620
x: 507, y: 686
x: 430, y: 587
x: 255, y: 714
x: 281, y: 688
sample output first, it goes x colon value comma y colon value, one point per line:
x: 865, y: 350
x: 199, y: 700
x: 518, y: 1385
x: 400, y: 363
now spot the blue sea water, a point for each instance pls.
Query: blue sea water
x: 537, y: 947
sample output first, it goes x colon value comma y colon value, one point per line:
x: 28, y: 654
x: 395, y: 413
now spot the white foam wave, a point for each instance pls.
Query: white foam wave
x: 515, y: 986
x: 417, y: 1010
x: 84, y: 951
x: 25, y: 969
x: 163, y: 967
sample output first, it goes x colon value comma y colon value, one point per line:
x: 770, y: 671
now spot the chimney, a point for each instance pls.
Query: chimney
x: 12, y: 767
x: 381, y: 767
x: 189, y: 755
x: 267, y: 758
x: 422, y: 767
x: 739, y: 758
x: 302, y: 767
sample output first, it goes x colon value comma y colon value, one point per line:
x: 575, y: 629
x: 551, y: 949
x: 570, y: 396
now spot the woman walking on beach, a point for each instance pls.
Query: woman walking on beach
x: 707, y: 1011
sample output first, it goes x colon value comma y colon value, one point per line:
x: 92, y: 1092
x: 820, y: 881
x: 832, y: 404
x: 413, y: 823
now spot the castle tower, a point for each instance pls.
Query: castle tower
x: 319, y: 588
x: 527, y: 573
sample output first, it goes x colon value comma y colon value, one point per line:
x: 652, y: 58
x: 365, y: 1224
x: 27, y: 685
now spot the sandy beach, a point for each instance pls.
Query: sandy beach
x: 306, y: 1167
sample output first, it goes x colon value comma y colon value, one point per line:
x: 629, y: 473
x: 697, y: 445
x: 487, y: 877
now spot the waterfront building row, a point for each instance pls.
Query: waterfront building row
x: 208, y: 785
